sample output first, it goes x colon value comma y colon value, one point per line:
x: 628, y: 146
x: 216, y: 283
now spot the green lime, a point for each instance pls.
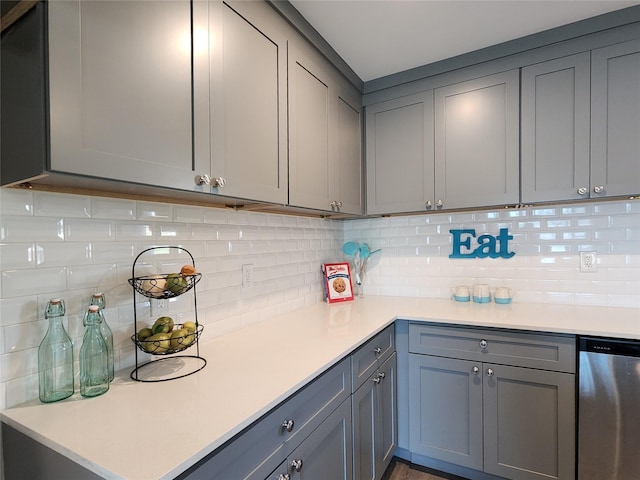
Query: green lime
x: 176, y: 283
x: 144, y: 333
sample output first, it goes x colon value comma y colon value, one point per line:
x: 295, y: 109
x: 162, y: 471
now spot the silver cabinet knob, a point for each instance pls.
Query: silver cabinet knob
x: 582, y: 191
x: 287, y: 425
x: 439, y: 204
x: 218, y: 182
x: 475, y: 370
x: 598, y: 189
x: 377, y: 379
x: 377, y: 350
x: 284, y: 476
x: 489, y: 372
x: 203, y: 179
x: 428, y: 205
x: 483, y: 343
x: 296, y: 465
x: 382, y: 375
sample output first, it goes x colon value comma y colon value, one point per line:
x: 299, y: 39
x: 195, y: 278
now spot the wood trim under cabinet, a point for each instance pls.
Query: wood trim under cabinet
x: 14, y: 14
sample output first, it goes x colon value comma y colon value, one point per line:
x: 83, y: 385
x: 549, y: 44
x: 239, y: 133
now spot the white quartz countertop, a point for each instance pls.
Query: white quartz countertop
x: 154, y: 431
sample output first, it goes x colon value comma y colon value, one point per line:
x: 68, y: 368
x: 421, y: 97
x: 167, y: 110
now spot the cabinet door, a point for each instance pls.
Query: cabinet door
x: 529, y: 423
x: 121, y: 91
x: 375, y: 423
x: 387, y: 416
x: 248, y: 95
x: 615, y: 120
x: 477, y: 142
x: 445, y: 407
x: 310, y: 117
x: 346, y: 170
x: 399, y: 155
x: 555, y: 129
x: 327, y: 453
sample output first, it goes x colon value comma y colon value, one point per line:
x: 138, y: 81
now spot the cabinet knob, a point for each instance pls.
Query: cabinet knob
x: 475, y: 370
x: 287, y: 425
x: 218, y: 182
x: 428, y: 205
x: 598, y: 189
x: 439, y: 204
x: 582, y: 191
x: 483, y: 343
x: 382, y: 375
x: 284, y: 476
x: 296, y: 465
x: 489, y: 372
x: 203, y: 179
x: 377, y: 350
x: 377, y: 379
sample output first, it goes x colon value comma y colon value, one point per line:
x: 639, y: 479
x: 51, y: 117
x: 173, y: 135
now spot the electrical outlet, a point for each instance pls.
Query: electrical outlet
x: 247, y: 275
x: 588, y: 262
x: 158, y: 306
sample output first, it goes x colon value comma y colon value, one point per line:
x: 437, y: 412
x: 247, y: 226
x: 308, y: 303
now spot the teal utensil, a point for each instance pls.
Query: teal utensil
x: 350, y: 248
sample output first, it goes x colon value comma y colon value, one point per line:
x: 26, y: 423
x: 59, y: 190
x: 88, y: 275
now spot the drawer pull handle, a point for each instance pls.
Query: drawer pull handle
x: 483, y: 344
x: 287, y: 425
x: 489, y: 372
x: 284, y: 476
x: 475, y: 370
x: 296, y: 465
x: 377, y: 350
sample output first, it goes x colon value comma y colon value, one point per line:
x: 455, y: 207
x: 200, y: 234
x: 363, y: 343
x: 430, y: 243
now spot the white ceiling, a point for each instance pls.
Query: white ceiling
x: 380, y: 37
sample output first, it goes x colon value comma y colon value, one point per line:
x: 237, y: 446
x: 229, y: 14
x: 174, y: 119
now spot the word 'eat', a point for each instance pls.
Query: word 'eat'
x: 488, y: 245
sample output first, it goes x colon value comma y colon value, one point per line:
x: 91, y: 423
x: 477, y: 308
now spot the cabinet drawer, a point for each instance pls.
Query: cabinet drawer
x: 371, y: 355
x: 258, y: 451
x: 519, y: 349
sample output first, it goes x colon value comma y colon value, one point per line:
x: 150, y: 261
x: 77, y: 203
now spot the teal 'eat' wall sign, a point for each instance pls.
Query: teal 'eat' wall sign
x: 487, y: 245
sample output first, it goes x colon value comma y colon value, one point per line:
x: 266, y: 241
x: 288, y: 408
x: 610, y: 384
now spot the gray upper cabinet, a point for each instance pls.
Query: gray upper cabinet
x: 242, y: 128
x: 120, y: 91
x: 325, y: 134
x: 615, y: 120
x: 477, y: 142
x: 399, y: 154
x: 555, y: 129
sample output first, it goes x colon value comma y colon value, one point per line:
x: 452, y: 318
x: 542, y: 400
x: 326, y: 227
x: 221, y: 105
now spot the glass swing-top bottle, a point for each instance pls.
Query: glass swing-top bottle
x: 99, y: 300
x: 94, y: 357
x: 55, y: 357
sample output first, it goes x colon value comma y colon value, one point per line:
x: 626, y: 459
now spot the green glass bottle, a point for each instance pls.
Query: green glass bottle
x: 94, y: 357
x: 55, y: 357
x: 99, y: 300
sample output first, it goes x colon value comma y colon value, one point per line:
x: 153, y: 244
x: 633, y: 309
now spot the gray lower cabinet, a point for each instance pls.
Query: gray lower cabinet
x: 326, y: 453
x: 615, y: 120
x: 325, y: 135
x: 374, y: 422
x: 261, y: 449
x: 497, y: 402
x: 477, y: 147
x: 555, y: 129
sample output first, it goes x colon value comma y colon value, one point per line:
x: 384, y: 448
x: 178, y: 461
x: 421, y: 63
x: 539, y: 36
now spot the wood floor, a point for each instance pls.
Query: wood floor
x: 401, y: 470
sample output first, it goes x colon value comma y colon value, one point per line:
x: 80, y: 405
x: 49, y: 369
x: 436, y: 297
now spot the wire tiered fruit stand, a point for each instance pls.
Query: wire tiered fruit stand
x: 168, y: 362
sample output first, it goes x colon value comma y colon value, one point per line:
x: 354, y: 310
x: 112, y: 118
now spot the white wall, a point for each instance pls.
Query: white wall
x: 59, y: 245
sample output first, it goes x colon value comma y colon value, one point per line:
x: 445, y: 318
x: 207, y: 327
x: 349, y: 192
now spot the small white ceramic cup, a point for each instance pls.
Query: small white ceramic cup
x: 503, y: 293
x: 460, y: 291
x: 481, y: 290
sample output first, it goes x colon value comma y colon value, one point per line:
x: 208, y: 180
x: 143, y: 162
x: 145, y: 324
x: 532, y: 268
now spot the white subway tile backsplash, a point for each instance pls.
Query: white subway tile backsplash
x: 76, y: 245
x: 16, y: 283
x: 61, y: 205
x: 14, y: 201
x: 30, y: 229
x: 78, y: 230
x: 113, y: 208
x: 64, y: 253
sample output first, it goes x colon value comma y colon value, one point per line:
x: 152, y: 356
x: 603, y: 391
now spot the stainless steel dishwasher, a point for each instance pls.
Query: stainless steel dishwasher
x: 609, y: 409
